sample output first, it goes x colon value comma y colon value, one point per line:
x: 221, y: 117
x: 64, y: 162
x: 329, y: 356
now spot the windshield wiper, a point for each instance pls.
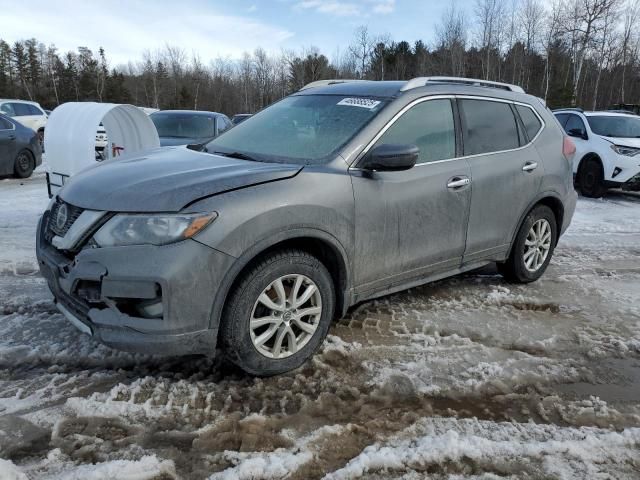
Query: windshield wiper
x: 238, y: 155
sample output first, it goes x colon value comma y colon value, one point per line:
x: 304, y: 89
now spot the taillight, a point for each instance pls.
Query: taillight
x: 568, y: 148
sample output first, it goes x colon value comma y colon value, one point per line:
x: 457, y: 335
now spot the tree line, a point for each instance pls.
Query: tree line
x: 570, y: 53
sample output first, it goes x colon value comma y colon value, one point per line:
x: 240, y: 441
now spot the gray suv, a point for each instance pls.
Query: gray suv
x: 344, y: 191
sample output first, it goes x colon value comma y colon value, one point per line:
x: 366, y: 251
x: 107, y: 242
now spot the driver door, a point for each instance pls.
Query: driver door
x: 411, y: 224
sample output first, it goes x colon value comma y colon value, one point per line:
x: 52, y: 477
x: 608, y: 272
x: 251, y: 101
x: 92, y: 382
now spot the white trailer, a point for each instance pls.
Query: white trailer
x: 70, y: 137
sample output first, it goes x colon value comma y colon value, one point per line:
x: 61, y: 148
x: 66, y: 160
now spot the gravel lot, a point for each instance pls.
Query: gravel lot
x: 465, y: 378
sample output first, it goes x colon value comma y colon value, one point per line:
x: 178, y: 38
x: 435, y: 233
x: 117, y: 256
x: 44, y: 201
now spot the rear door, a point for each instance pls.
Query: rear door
x: 23, y: 113
x: 506, y: 174
x: 7, y: 146
x: 412, y: 223
x: 577, y: 130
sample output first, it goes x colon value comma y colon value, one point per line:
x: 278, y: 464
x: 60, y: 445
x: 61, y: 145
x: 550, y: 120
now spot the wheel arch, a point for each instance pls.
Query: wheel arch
x: 585, y: 157
x: 549, y: 199
x: 315, y: 242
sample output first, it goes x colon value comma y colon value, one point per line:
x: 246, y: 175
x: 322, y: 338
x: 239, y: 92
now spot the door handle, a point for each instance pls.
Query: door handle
x: 530, y: 166
x: 457, y: 182
x: 12, y: 137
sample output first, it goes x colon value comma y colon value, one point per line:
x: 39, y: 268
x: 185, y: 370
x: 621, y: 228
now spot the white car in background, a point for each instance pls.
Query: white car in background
x: 29, y: 114
x: 607, y: 149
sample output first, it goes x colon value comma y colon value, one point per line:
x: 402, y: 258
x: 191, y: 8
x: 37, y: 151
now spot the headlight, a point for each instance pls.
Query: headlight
x: 627, y: 151
x: 140, y: 229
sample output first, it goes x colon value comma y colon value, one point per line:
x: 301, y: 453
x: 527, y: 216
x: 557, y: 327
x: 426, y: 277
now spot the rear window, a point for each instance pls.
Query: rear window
x: 489, y: 126
x: 532, y: 124
x: 183, y: 125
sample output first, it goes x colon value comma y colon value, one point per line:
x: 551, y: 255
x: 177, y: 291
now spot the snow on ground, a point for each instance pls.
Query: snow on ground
x: 465, y: 378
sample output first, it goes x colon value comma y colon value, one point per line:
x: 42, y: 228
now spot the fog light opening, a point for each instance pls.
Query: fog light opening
x: 151, y: 308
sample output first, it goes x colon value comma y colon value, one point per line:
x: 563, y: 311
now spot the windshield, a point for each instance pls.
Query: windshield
x: 610, y: 126
x: 305, y: 129
x: 183, y: 125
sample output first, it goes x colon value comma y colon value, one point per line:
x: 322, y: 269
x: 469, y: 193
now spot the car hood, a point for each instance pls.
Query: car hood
x: 166, y: 180
x: 624, y: 141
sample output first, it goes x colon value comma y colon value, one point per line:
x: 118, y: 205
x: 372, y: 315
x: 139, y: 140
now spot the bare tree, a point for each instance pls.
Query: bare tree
x: 362, y: 48
x: 551, y: 33
x: 489, y: 17
x: 586, y: 18
x: 452, y: 36
x: 631, y: 17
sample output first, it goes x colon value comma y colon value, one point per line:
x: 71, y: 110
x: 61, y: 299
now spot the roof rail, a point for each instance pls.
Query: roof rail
x: 569, y: 109
x: 323, y: 83
x: 422, y: 81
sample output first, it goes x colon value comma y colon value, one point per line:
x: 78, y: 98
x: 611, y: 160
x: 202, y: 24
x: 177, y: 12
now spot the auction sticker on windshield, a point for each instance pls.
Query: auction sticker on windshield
x: 359, y: 102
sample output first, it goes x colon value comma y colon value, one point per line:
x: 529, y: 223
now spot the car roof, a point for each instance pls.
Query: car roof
x: 193, y: 112
x: 418, y: 87
x: 18, y: 101
x: 603, y: 113
x: 610, y: 114
x: 364, y: 88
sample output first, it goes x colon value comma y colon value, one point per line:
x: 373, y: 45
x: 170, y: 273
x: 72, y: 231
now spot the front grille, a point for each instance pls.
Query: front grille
x: 72, y: 215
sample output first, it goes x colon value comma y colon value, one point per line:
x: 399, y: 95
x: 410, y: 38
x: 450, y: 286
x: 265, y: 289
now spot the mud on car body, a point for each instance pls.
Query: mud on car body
x: 342, y: 192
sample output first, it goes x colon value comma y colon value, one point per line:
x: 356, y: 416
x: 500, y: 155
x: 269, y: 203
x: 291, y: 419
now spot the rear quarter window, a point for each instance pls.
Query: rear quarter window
x: 488, y: 126
x: 530, y: 120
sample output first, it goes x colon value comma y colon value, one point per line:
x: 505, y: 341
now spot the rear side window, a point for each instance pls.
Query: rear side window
x: 562, y: 118
x: 5, y: 124
x: 531, y: 122
x: 488, y: 126
x: 576, y: 124
x: 7, y: 109
x: 223, y: 123
x: 21, y: 109
x: 33, y: 110
x: 428, y: 125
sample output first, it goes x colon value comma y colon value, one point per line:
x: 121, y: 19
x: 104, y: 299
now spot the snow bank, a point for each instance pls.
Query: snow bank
x: 556, y: 452
x: 8, y: 471
x: 147, y: 468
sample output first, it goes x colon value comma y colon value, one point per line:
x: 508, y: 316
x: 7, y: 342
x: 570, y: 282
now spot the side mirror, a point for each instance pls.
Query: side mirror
x: 391, y: 158
x: 579, y: 133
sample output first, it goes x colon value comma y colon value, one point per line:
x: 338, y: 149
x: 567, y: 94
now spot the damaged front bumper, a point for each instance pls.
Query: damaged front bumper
x: 144, y: 299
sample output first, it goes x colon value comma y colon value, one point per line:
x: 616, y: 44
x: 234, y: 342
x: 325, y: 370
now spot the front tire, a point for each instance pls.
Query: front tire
x: 24, y: 164
x: 533, y: 247
x: 591, y: 178
x: 278, y: 314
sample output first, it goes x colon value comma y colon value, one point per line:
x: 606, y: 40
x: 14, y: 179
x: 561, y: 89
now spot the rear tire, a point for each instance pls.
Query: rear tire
x: 591, y: 178
x: 41, y: 138
x: 268, y: 326
x: 533, y: 247
x: 24, y: 164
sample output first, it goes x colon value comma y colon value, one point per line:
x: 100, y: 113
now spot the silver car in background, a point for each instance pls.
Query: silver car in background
x: 339, y: 193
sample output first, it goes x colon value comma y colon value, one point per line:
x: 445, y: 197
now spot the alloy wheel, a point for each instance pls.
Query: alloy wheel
x: 23, y: 161
x: 285, y: 316
x: 537, y: 245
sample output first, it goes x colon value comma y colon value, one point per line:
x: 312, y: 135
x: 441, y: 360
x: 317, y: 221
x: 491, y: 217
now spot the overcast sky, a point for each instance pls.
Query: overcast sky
x: 213, y: 28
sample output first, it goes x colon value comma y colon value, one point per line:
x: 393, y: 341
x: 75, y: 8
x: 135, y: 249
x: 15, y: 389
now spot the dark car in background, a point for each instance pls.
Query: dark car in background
x: 188, y: 127
x: 20, y: 151
x: 240, y: 117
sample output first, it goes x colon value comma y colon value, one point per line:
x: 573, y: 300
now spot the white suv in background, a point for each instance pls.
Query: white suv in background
x: 607, y: 149
x: 29, y: 114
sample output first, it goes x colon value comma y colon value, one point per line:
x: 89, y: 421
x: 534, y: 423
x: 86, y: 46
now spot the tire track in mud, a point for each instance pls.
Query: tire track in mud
x: 193, y: 409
